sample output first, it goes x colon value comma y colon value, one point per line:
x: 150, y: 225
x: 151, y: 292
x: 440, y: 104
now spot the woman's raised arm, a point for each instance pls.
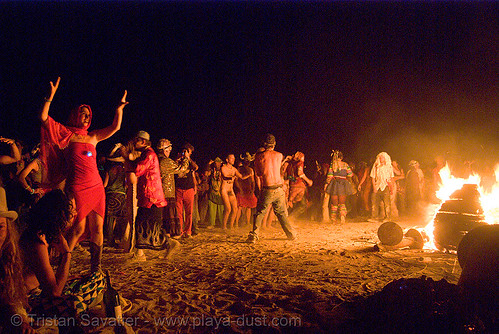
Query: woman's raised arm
x: 44, y: 113
x: 107, y: 132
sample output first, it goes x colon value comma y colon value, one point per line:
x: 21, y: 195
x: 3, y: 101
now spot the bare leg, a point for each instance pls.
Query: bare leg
x: 233, y: 211
x: 75, y: 232
x: 239, y: 213
x: 227, y: 209
x: 96, y: 226
x: 247, y: 211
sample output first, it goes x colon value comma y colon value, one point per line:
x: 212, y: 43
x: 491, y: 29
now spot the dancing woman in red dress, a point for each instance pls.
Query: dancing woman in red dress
x: 68, y: 151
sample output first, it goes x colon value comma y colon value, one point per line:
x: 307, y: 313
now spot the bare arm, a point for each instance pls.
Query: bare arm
x: 44, y: 113
x: 33, y: 165
x: 285, y: 163
x: 240, y: 176
x: 52, y: 283
x: 107, y: 132
x: 15, y: 155
x: 193, y: 165
x: 106, y: 179
x: 304, y: 177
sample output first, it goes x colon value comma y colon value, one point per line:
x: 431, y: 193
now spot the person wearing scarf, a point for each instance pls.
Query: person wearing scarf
x: 68, y: 152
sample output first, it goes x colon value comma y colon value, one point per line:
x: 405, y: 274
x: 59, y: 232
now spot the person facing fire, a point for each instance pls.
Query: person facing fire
x: 382, y: 178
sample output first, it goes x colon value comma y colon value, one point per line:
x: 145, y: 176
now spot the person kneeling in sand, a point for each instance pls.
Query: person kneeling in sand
x: 50, y: 293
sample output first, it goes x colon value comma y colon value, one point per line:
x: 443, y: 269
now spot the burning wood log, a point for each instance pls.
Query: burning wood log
x: 458, y: 215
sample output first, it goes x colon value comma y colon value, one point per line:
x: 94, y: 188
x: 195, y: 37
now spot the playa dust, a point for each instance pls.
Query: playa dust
x: 216, y: 282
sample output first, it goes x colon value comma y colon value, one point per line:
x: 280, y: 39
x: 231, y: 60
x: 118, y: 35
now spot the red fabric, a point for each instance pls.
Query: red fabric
x: 76, y: 162
x: 55, y: 137
x: 84, y: 182
x: 149, y: 185
x: 185, y: 205
x: 246, y: 201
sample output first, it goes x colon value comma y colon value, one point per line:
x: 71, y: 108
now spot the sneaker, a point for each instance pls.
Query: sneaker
x: 373, y: 220
x: 292, y: 237
x: 186, y: 236
x: 252, y: 238
x: 342, y: 219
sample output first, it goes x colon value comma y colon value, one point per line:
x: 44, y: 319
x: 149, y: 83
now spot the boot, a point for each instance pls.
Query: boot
x: 343, y: 213
x: 95, y: 257
x: 333, y: 213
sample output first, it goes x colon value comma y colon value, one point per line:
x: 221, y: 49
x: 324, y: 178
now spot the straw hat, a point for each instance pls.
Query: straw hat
x: 4, y: 211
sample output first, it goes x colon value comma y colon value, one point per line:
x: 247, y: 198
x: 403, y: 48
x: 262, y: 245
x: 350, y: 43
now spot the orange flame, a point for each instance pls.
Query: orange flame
x: 489, y: 199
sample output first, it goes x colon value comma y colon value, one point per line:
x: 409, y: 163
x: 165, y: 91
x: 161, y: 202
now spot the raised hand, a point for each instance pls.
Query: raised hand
x: 7, y: 140
x: 123, y: 101
x: 53, y: 88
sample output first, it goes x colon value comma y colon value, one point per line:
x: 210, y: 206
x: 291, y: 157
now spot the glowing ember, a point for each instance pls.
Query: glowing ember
x: 488, y: 201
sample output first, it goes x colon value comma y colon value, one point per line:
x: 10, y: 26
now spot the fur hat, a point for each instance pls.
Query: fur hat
x: 4, y: 210
x: 247, y: 157
x: 163, y: 143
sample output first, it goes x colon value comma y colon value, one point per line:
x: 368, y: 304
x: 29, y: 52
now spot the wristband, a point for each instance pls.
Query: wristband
x: 47, y: 100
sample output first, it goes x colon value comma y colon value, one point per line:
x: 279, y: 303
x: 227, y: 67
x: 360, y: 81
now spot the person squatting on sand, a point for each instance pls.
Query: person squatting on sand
x: 269, y: 168
x: 68, y: 151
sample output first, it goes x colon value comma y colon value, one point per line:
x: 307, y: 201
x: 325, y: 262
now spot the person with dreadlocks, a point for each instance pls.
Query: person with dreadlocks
x: 68, y: 152
x: 338, y: 186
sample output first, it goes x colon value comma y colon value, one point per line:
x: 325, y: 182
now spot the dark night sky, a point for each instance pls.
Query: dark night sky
x: 415, y: 79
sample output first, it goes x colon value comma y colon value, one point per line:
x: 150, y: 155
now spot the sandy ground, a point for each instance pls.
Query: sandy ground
x: 218, y: 283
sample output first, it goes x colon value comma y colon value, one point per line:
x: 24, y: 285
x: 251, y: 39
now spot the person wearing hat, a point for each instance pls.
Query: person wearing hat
x: 115, y: 186
x: 414, y: 187
x: 168, y: 168
x: 269, y: 166
x: 145, y: 172
x: 69, y: 151
x: 185, y: 191
x: 13, y: 299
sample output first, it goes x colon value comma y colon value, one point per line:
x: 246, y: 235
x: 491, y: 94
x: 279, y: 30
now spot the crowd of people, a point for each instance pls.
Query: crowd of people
x: 61, y: 194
